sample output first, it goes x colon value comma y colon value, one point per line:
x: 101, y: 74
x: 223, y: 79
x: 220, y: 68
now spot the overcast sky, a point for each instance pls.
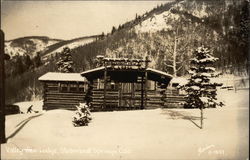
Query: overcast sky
x: 67, y: 19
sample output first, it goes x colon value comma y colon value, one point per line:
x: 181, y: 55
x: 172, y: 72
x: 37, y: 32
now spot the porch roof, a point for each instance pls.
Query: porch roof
x: 127, y: 74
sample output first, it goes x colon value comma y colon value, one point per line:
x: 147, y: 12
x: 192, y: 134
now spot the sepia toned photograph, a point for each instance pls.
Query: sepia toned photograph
x: 124, y: 79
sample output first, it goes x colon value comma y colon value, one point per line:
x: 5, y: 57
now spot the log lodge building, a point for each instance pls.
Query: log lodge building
x: 117, y: 84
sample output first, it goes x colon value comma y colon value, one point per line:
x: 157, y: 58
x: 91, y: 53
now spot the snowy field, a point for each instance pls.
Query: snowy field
x: 142, y: 134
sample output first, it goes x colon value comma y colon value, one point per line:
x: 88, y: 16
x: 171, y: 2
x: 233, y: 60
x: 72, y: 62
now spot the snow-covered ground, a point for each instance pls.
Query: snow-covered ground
x: 141, y: 134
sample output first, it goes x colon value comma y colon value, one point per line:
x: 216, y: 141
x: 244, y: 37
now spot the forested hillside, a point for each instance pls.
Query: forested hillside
x: 177, y: 28
x: 168, y: 34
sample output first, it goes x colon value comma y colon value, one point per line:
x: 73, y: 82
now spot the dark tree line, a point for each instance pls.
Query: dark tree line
x: 20, y: 64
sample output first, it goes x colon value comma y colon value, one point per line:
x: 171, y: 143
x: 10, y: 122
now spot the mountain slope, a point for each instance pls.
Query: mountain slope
x: 222, y: 26
x: 28, y: 45
x: 44, y: 45
x: 74, y: 43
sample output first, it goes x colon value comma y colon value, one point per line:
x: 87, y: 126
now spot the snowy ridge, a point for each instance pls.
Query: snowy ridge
x: 71, y: 45
x: 163, y: 21
x: 200, y: 12
x: 12, y: 51
x: 157, y: 22
x: 28, y: 46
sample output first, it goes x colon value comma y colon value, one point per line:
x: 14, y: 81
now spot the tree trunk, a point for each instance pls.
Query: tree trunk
x: 174, y: 54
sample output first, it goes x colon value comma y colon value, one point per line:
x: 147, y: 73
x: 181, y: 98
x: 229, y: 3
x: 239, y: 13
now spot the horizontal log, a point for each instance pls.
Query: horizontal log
x: 51, y: 84
x: 154, y: 98
x: 173, y: 105
x: 101, y: 103
x: 154, y: 107
x: 107, y: 98
x: 155, y: 102
x: 65, y: 96
x: 65, y: 93
x: 175, y: 99
x: 102, y: 95
x: 176, y: 96
x: 66, y: 108
x: 60, y: 103
x: 101, y: 92
x: 108, y: 101
x: 52, y: 88
x: 51, y: 91
x: 64, y: 101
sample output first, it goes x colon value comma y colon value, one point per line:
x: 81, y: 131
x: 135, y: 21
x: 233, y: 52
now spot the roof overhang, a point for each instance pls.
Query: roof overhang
x: 128, y: 75
x: 69, y: 77
x: 93, y: 73
x: 158, y: 76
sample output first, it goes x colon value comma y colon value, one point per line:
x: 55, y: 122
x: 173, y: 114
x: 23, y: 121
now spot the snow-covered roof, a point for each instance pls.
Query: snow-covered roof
x: 55, y: 76
x: 179, y: 80
x: 93, y: 70
x: 159, y: 72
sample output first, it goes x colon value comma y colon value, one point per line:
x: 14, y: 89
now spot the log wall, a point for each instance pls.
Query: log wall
x: 54, y: 98
x: 174, y: 99
x: 116, y: 100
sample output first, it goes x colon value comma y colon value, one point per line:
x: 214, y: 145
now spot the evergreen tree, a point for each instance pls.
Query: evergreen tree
x: 28, y: 63
x: 102, y: 36
x: 19, y: 66
x: 113, y: 30
x: 37, y: 60
x: 65, y: 63
x: 201, y: 91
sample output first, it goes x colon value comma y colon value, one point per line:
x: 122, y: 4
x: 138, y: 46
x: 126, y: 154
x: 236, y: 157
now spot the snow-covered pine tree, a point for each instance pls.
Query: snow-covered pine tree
x: 201, y: 91
x: 65, y: 63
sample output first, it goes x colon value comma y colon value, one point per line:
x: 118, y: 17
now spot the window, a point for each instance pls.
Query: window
x: 100, y: 84
x: 64, y: 87
x: 81, y: 87
x: 73, y: 87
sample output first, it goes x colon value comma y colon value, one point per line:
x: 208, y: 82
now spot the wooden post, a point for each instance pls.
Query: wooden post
x: 105, y: 86
x: 146, y: 82
x: 120, y: 95
x: 2, y: 89
x: 77, y: 86
x: 142, y: 92
x: 133, y: 95
x: 146, y: 88
x: 89, y: 94
x: 201, y: 117
x: 68, y: 86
